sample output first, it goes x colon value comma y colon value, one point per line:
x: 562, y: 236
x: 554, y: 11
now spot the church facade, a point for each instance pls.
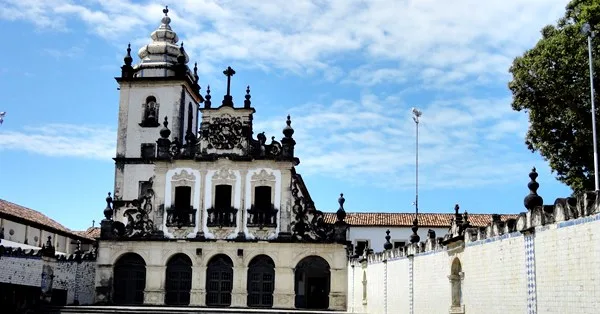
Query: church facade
x: 203, y: 213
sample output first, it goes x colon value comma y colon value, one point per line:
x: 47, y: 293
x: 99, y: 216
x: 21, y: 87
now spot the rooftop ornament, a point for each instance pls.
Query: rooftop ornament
x: 533, y: 200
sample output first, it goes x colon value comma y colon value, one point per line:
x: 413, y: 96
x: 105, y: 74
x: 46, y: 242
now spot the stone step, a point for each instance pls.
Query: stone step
x: 170, y: 309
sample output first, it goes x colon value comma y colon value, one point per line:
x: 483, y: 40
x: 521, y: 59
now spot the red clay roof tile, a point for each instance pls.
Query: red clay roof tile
x: 406, y: 219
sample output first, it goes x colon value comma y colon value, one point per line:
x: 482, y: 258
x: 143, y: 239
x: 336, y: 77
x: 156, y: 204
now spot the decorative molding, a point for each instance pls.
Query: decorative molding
x: 263, y: 176
x: 183, y: 176
x: 224, y: 174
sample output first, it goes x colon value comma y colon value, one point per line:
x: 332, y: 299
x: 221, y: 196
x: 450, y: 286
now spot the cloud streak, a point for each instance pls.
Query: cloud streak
x: 63, y: 140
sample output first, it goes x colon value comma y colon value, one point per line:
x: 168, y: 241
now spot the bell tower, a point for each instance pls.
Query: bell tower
x: 160, y: 86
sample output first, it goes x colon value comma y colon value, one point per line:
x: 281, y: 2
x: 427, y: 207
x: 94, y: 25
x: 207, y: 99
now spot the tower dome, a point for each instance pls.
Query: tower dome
x: 159, y: 56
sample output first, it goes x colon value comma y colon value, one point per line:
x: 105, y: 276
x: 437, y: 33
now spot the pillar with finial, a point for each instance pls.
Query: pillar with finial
x: 181, y: 67
x: 340, y: 226
x: 127, y: 69
x: 387, y: 245
x: 247, y: 101
x: 207, y: 102
x: 106, y: 223
x: 287, y: 142
x: 533, y: 200
x: 196, y: 86
x: 163, y: 144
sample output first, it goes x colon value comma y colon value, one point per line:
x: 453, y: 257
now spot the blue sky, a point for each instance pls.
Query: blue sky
x: 347, y: 71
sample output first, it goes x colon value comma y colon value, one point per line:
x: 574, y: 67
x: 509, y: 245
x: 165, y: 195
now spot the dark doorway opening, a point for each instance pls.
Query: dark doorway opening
x: 312, y: 283
x: 219, y: 281
x: 179, y: 280
x: 261, y: 281
x: 129, y: 279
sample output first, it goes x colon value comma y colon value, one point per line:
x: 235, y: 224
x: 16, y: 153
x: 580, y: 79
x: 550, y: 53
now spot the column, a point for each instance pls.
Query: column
x: 155, y: 285
x: 284, y: 294
x: 198, y: 293
x: 239, y: 293
x: 338, y: 289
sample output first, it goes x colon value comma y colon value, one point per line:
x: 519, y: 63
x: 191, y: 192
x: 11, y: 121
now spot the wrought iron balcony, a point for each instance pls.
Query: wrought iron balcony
x: 221, y: 217
x: 265, y: 216
x: 181, y: 217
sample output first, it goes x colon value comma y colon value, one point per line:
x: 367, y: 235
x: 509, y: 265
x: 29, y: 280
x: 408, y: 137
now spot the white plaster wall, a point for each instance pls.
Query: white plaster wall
x: 375, y: 285
x: 430, y: 283
x: 376, y: 235
x: 133, y: 174
x: 33, y: 236
x: 397, y: 286
x: 21, y: 270
x: 133, y: 97
x: 568, y: 267
x: 494, y: 276
x: 18, y: 231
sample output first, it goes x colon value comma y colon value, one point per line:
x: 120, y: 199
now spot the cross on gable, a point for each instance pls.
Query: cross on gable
x: 228, y: 100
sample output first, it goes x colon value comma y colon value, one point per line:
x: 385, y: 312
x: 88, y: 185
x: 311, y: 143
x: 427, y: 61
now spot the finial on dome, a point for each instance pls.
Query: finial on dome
x: 341, y: 213
x: 165, y: 132
x: 196, y: 77
x: 207, y: 98
x: 108, y: 212
x: 181, y: 56
x: 533, y: 200
x: 247, y: 101
x: 128, y: 59
x: 166, y: 19
x: 288, y: 131
x: 387, y: 245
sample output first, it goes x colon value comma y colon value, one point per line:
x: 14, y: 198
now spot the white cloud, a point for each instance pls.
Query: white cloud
x: 453, y: 41
x: 62, y: 140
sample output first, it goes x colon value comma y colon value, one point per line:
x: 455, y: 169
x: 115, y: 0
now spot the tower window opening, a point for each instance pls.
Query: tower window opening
x: 150, y: 114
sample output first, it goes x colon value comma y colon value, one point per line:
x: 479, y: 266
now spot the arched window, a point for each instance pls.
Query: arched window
x: 456, y: 276
x: 219, y: 281
x: 150, y: 114
x: 129, y: 279
x: 261, y: 281
x: 312, y: 282
x: 178, y: 280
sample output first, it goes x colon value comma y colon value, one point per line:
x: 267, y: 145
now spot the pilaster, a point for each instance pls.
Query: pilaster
x: 198, y: 293
x: 283, y: 294
x: 155, y: 285
x: 238, y: 293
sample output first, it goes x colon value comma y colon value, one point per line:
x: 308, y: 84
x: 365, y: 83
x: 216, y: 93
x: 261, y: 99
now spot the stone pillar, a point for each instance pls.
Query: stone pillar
x: 155, y: 285
x: 198, y: 293
x: 239, y: 294
x: 338, y: 289
x: 48, y: 266
x: 284, y: 294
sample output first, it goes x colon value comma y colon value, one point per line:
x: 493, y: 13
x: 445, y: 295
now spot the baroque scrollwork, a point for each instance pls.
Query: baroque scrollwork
x: 225, y: 132
x: 309, y: 224
x: 224, y: 174
x: 260, y: 148
x: 183, y: 175
x: 263, y: 176
x: 137, y: 213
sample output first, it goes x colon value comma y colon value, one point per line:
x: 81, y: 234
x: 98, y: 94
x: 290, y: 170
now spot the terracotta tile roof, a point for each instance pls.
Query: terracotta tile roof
x: 91, y: 232
x: 405, y: 219
x: 36, y: 218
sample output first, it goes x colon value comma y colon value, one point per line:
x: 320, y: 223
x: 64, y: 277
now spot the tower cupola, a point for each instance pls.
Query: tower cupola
x: 160, y: 57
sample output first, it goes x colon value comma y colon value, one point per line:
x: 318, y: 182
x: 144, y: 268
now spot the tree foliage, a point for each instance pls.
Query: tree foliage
x: 551, y: 83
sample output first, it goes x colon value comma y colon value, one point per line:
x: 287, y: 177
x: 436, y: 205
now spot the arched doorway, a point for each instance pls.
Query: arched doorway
x: 129, y: 279
x: 312, y: 280
x: 261, y: 281
x: 219, y: 281
x: 178, y: 282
